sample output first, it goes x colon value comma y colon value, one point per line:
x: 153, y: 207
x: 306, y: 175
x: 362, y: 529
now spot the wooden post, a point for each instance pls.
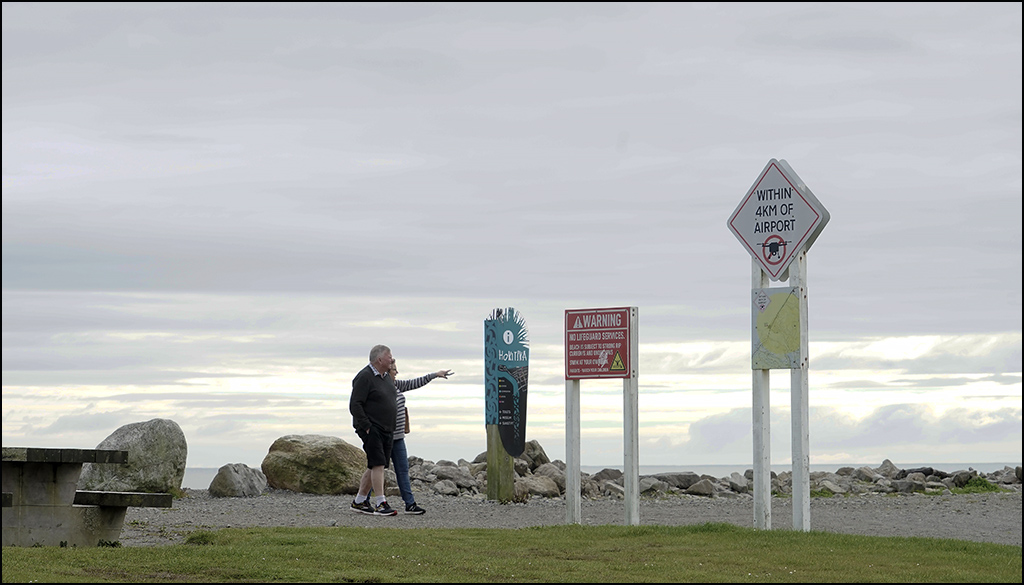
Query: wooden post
x: 500, y: 479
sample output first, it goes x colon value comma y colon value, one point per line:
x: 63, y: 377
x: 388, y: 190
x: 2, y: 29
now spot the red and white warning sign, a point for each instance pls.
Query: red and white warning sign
x: 777, y: 218
x: 597, y: 343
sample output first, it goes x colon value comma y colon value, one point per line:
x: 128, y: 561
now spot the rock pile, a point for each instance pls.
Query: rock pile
x: 328, y: 465
x: 536, y: 475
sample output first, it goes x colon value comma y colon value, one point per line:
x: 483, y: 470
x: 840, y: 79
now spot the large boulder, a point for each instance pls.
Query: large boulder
x: 314, y: 464
x: 157, y: 452
x: 238, y: 480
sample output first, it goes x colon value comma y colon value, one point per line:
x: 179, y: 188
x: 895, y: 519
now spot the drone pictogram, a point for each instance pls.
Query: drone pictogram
x: 774, y: 249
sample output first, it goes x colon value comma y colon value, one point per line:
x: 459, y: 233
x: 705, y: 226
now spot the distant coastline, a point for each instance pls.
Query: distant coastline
x: 199, y: 478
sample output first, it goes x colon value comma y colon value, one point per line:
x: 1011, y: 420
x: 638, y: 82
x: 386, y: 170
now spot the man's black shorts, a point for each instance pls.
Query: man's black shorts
x: 377, y: 445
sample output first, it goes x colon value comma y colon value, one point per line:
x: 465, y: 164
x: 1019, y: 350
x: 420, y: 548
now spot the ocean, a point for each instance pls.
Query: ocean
x: 200, y: 477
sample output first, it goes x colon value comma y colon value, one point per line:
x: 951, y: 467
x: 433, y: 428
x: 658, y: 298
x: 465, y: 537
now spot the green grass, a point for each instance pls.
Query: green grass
x: 709, y: 552
x: 978, y: 485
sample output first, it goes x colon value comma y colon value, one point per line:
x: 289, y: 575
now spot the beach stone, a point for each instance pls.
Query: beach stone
x: 460, y: 476
x: 680, y: 480
x: 906, y: 486
x: 650, y: 485
x: 866, y: 474
x: 703, y: 487
x: 888, y: 469
x: 1007, y: 475
x: 590, y: 489
x: 539, y: 485
x: 535, y: 454
x: 445, y: 487
x: 738, y: 483
x: 607, y: 473
x: 612, y: 489
x: 314, y: 464
x: 238, y: 480
x: 552, y: 470
x: 157, y: 452
x: 832, y: 486
x: 925, y: 471
x: 961, y: 477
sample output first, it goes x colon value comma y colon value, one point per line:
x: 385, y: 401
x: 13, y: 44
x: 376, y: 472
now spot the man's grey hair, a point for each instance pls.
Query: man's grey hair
x: 377, y: 351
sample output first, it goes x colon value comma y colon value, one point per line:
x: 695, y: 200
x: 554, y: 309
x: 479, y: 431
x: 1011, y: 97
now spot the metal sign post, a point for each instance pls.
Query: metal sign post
x: 602, y: 343
x: 777, y: 221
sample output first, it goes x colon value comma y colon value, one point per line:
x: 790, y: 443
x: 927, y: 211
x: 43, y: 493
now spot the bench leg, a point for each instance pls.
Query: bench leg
x: 77, y: 526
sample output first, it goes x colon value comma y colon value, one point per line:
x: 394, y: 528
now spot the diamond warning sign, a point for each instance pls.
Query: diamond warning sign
x: 778, y: 217
x: 597, y: 343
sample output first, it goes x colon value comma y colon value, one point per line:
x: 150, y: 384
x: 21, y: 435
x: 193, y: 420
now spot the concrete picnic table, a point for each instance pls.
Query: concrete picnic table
x: 43, y: 506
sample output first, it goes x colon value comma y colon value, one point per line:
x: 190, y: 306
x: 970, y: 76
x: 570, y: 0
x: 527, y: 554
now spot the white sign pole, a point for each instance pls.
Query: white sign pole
x: 573, y: 513
x: 799, y: 405
x: 761, y: 428
x: 586, y: 358
x: 777, y: 221
x: 631, y: 427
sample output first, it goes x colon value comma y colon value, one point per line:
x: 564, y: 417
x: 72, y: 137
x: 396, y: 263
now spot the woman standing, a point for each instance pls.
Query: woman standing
x: 399, y: 453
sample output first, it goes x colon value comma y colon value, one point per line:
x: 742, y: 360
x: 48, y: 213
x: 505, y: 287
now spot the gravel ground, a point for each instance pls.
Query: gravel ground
x: 991, y: 517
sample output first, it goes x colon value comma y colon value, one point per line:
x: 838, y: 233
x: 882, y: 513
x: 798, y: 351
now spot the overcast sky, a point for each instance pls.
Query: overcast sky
x: 212, y: 211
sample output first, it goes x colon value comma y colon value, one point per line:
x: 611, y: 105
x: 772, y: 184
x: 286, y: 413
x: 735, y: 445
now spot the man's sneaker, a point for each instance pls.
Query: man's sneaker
x: 414, y: 509
x: 383, y: 509
x: 363, y: 508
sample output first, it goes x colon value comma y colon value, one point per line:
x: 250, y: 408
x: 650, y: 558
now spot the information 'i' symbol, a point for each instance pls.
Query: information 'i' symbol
x: 508, y: 337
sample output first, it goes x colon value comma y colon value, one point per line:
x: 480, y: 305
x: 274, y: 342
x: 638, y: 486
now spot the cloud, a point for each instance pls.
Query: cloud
x: 728, y: 434
x: 83, y: 422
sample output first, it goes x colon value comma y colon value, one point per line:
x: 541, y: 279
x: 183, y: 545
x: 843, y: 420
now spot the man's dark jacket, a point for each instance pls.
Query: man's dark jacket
x: 373, y: 401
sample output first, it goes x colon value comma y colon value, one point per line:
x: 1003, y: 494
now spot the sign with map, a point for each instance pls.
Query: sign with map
x: 506, y: 371
x: 775, y: 330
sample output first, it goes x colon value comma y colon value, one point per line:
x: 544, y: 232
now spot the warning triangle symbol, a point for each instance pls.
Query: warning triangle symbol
x: 617, y: 365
